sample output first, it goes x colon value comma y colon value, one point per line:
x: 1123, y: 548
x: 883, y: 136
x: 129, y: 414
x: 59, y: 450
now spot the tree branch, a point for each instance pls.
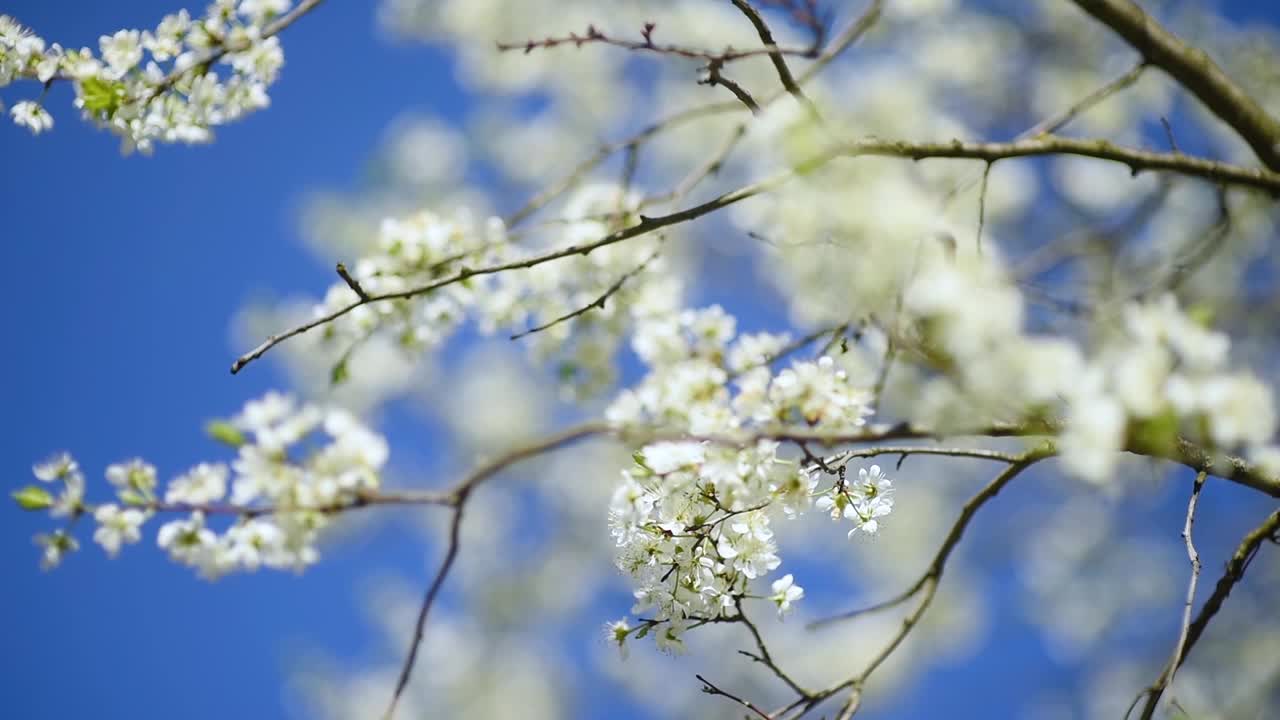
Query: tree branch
x: 928, y: 583
x: 933, y: 574
x: 458, y: 498
x: 1236, y: 566
x: 646, y: 225
x: 850, y: 35
x: 776, y: 55
x: 711, y: 689
x: 764, y: 657
x: 1137, y: 160
x: 1192, y: 68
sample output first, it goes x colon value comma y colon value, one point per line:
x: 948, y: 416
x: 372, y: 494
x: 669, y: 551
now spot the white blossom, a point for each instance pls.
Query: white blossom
x: 188, y: 541
x: 54, y: 547
x: 136, y: 475
x: 785, y: 594
x: 121, y: 51
x: 203, y: 484
x: 117, y: 527
x: 57, y: 467
x: 32, y: 116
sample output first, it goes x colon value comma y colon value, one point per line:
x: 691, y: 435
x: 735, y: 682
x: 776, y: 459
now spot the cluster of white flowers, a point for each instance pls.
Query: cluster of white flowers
x: 296, y: 465
x: 425, y: 248
x: 411, y: 252
x: 692, y: 518
x: 693, y: 355
x: 863, y: 502
x: 156, y: 85
x: 1159, y: 374
x: 1163, y: 373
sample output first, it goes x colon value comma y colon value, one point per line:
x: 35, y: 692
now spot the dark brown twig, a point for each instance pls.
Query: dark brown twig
x: 458, y: 498
x: 433, y: 590
x: 596, y: 36
x: 709, y: 688
x: 352, y: 282
x: 776, y: 56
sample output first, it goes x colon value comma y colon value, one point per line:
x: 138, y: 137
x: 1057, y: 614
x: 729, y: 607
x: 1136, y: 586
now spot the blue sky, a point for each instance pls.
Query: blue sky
x: 121, y: 277
x: 124, y: 276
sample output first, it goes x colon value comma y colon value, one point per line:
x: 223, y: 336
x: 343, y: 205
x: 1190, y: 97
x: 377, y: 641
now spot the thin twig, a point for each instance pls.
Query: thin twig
x: 982, y: 203
x: 763, y: 657
x: 352, y: 282
x: 793, y: 347
x: 1053, y: 124
x: 646, y: 43
x: 1233, y: 574
x: 715, y: 76
x: 597, y: 303
x: 854, y: 32
x: 459, y: 495
x: 710, y: 167
x: 776, y: 56
x: 433, y: 590
x: 709, y: 688
x: 1166, y: 677
x: 904, y: 450
x: 574, y: 176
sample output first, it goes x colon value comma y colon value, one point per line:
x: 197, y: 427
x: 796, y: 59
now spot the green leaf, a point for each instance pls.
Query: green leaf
x: 339, y: 373
x: 33, y: 497
x: 225, y: 432
x: 101, y: 97
x: 643, y: 631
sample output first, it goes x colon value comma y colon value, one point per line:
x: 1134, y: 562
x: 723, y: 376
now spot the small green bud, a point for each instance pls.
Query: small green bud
x: 225, y: 432
x: 33, y: 497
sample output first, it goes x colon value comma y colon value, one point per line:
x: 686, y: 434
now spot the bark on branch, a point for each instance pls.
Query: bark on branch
x: 1192, y: 68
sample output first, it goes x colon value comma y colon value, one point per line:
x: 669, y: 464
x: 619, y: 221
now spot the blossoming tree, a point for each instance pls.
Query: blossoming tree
x: 1003, y: 235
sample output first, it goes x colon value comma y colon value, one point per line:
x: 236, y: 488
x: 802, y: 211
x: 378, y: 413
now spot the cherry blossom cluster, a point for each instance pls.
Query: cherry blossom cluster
x: 1164, y: 372
x: 296, y: 465
x: 691, y: 526
x: 599, y: 292
x: 1155, y: 373
x: 692, y: 518
x: 411, y: 252
x: 161, y: 85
